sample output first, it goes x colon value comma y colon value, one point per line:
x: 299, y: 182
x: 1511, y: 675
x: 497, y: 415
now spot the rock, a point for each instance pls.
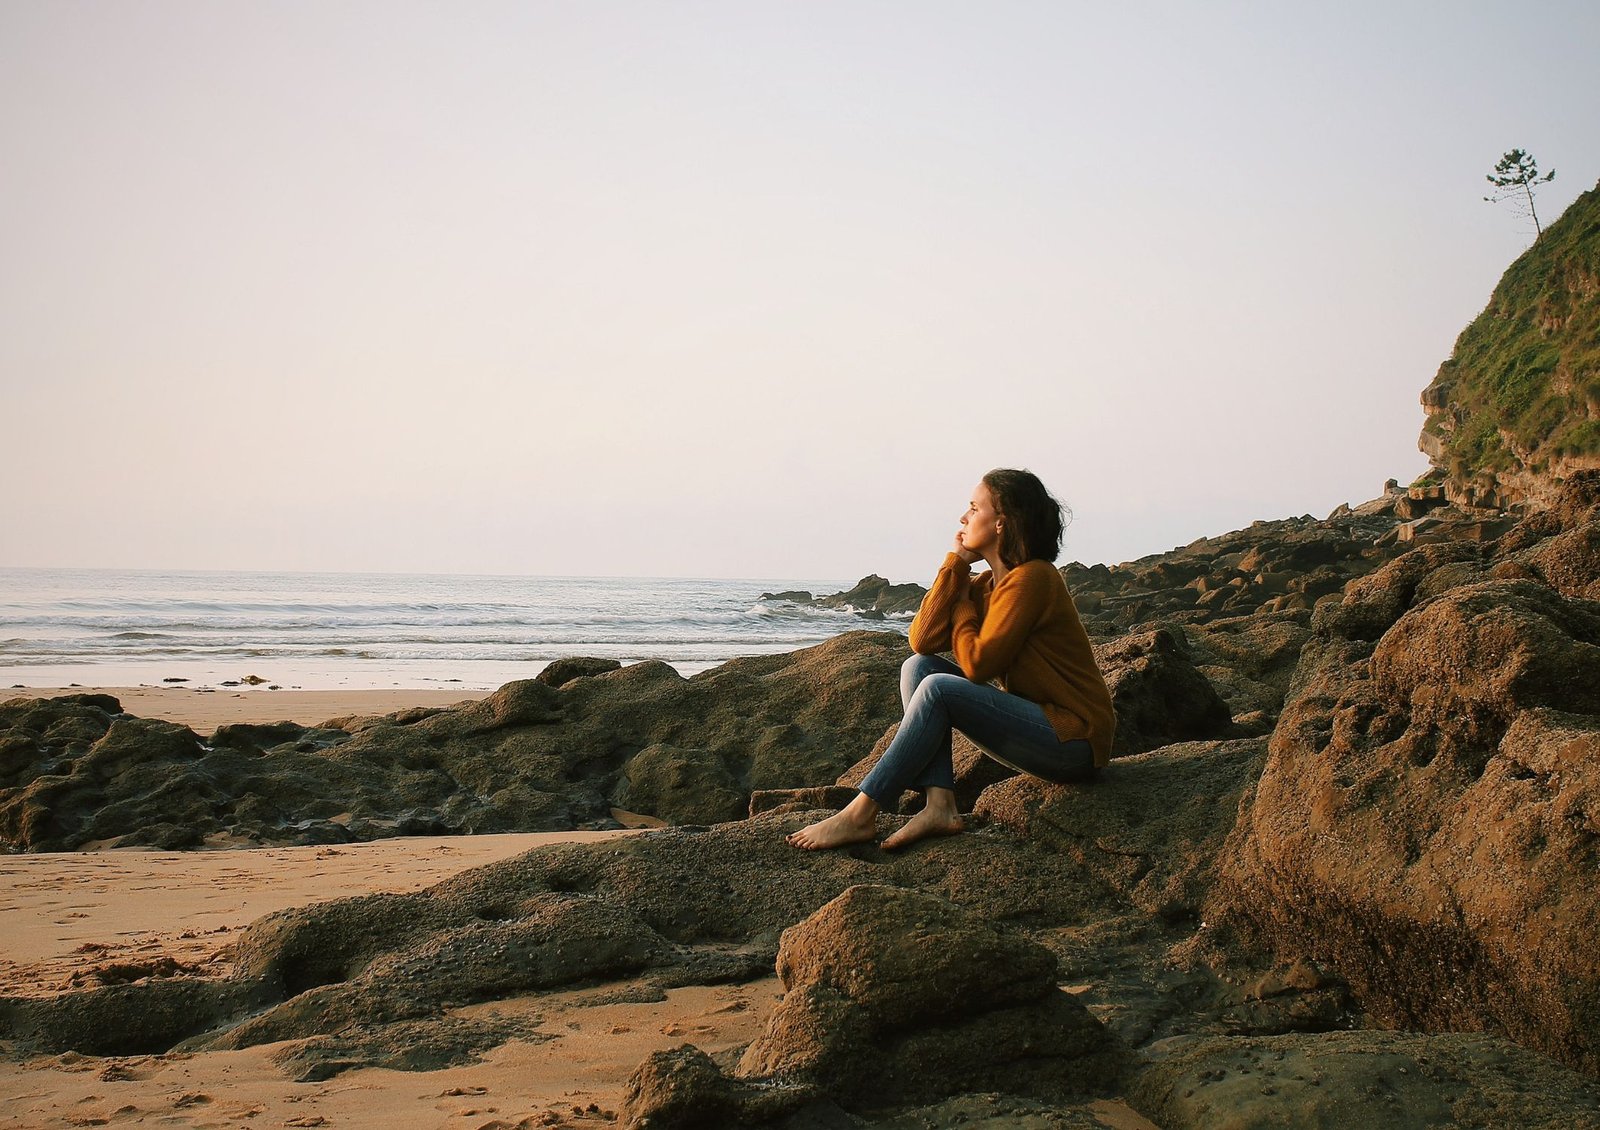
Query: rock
x: 530, y: 757
x: 1159, y: 696
x: 893, y: 996
x: 683, y: 1089
x: 1249, y: 660
x: 1568, y: 562
x: 680, y: 786
x: 875, y: 594
x: 680, y: 1089
x: 1336, y: 1080
x: 560, y: 672
x: 1151, y: 827
x: 1278, y: 566
x: 794, y: 800
x: 43, y: 737
x: 1425, y: 822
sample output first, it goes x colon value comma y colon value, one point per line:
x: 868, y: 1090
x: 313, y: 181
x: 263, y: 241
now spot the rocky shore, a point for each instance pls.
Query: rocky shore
x: 1341, y: 869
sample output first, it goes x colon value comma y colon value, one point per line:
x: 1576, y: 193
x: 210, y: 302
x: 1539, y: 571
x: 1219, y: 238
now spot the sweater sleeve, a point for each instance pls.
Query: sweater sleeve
x: 930, y: 628
x: 987, y: 651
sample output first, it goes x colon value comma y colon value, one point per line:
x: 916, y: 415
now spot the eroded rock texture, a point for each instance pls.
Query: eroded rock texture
x: 894, y: 997
x: 1428, y: 818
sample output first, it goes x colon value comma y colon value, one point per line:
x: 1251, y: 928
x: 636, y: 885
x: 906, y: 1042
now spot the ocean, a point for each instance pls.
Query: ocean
x: 104, y: 627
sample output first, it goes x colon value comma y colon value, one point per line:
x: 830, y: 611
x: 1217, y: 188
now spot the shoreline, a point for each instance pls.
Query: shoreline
x: 203, y: 709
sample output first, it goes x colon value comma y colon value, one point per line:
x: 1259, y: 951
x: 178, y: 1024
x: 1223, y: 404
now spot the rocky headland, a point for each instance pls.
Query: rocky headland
x: 1341, y: 872
x: 1516, y: 407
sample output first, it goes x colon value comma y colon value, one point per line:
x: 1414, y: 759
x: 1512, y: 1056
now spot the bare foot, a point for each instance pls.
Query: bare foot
x: 928, y: 822
x: 837, y: 830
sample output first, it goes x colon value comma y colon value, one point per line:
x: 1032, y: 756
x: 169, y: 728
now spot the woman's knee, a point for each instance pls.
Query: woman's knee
x: 914, y: 671
x: 939, y: 686
x: 919, y: 666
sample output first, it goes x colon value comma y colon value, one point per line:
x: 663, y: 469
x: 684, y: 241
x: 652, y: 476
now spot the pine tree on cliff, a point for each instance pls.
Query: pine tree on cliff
x: 1513, y: 178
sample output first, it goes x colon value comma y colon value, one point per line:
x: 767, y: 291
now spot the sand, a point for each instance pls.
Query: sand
x: 203, y: 709
x: 70, y: 914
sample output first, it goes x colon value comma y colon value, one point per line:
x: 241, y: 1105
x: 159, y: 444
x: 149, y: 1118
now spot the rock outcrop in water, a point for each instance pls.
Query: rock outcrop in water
x: 872, y: 596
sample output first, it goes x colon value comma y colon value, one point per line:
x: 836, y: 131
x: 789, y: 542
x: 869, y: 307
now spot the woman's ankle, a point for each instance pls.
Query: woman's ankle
x: 862, y: 809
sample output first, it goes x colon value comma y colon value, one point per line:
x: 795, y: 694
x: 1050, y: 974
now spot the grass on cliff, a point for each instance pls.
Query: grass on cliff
x: 1529, y: 365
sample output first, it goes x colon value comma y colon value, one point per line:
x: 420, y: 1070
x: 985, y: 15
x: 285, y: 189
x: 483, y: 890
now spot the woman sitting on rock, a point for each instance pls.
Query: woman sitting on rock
x: 1015, y: 623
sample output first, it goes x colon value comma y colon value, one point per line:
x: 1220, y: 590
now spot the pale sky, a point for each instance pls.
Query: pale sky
x: 737, y: 289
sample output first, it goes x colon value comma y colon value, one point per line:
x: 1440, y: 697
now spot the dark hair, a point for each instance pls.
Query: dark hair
x: 1032, y: 527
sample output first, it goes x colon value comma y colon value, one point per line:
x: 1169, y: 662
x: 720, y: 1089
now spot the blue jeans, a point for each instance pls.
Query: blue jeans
x: 938, y: 698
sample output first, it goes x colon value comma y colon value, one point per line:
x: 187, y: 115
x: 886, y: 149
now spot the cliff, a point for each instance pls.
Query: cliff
x: 1516, y: 408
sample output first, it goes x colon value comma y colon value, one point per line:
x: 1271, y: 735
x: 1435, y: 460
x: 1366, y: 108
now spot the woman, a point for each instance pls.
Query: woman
x: 1015, y: 623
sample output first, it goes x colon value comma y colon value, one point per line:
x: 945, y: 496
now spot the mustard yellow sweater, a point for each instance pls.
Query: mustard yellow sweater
x: 1026, y: 633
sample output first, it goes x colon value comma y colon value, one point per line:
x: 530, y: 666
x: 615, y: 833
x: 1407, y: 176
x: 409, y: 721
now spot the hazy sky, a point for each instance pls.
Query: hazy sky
x: 737, y: 289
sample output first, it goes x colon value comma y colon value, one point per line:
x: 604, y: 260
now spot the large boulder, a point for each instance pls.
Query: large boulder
x: 893, y: 996
x: 1426, y: 819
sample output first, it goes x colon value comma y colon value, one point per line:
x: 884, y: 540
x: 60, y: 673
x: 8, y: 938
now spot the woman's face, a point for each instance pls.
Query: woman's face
x: 980, y: 525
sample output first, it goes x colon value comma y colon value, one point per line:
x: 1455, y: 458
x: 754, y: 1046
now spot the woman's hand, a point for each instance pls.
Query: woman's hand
x: 963, y: 552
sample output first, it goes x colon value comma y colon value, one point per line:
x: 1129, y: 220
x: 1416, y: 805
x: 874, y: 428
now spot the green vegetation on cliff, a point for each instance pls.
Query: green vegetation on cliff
x: 1522, y: 386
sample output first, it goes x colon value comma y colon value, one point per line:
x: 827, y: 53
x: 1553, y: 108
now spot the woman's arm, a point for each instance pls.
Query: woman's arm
x: 930, y: 628
x: 1015, y: 608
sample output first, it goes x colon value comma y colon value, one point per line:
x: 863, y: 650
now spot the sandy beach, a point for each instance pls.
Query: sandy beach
x: 204, y: 709
x: 88, y: 917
